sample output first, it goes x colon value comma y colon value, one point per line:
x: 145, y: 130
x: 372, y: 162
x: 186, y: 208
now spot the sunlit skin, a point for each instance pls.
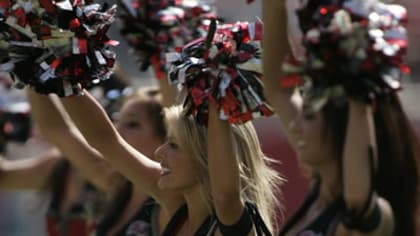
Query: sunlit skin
x: 179, y: 171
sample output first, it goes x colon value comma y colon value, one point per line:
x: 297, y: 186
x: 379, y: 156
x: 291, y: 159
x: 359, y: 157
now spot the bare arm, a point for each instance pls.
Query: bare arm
x: 28, y: 174
x: 99, y: 131
x: 356, y: 165
x: 276, y: 47
x: 169, y: 92
x: 57, y: 127
x: 357, y: 168
x: 223, y: 170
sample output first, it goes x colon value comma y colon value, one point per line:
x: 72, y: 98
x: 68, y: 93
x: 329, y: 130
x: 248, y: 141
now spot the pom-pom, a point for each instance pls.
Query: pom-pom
x: 354, y: 50
x: 153, y: 28
x: 56, y: 46
x: 223, y: 68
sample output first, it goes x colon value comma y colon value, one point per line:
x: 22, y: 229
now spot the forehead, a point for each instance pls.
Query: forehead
x: 175, y: 132
x: 134, y: 107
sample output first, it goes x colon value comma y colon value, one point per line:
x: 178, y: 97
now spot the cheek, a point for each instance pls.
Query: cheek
x: 138, y: 140
x: 147, y: 133
x: 312, y: 137
x: 312, y: 129
x: 183, y: 176
x: 133, y: 137
x: 150, y: 140
x: 140, y: 135
x: 190, y: 178
x: 188, y: 169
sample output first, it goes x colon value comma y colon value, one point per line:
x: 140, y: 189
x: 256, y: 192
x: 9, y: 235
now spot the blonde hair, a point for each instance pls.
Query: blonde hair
x: 259, y: 182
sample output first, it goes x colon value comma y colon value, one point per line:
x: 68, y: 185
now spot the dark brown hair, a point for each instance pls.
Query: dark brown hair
x: 151, y: 99
x: 117, y: 206
x: 57, y: 183
x: 397, y: 175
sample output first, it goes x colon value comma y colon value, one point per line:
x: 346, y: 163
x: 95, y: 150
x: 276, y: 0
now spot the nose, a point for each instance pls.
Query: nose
x: 160, y: 153
x: 295, y: 126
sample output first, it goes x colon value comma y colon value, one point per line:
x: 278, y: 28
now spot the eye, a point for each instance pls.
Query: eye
x: 309, y: 116
x: 173, y: 145
x: 308, y: 113
x: 132, y: 124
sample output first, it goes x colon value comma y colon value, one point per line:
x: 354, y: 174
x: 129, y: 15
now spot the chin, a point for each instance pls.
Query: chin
x: 163, y: 185
x: 314, y: 161
x: 166, y: 184
x: 307, y: 158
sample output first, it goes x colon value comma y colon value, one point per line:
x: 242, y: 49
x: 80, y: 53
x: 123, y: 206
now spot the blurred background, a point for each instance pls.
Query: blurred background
x: 22, y: 213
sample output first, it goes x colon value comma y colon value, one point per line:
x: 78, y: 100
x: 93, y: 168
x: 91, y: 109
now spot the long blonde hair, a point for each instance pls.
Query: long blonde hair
x: 259, y: 182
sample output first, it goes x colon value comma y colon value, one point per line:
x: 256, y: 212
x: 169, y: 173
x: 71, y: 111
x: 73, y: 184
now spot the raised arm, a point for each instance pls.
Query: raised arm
x: 223, y: 170
x: 360, y: 138
x: 359, y: 162
x: 99, y: 131
x: 27, y: 174
x: 169, y: 93
x: 57, y: 127
x: 276, y: 48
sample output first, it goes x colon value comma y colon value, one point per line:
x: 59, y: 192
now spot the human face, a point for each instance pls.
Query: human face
x: 136, y: 128
x: 307, y: 131
x: 179, y: 170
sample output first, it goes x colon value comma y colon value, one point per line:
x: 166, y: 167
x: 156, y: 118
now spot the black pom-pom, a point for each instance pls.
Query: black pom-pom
x: 353, y: 50
x: 56, y: 46
x: 223, y: 68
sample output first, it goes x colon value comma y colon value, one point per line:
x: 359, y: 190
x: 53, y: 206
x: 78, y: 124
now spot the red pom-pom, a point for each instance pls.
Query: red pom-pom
x: 223, y: 68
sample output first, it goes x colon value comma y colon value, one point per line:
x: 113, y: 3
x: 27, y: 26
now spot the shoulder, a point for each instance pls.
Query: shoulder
x: 250, y: 223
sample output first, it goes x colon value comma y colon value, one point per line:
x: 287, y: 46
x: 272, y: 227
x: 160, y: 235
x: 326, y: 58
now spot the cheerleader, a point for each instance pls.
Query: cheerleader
x: 359, y: 144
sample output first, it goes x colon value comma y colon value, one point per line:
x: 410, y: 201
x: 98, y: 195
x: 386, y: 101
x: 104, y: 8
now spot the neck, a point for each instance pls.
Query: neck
x: 197, y: 209
x: 330, y: 187
x: 138, y: 196
x: 170, y: 204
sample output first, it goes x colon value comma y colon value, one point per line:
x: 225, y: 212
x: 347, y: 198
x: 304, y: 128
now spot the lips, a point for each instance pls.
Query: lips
x: 164, y: 170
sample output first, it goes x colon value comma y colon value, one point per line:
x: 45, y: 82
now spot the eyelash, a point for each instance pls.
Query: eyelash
x: 132, y: 124
x: 172, y: 145
x: 309, y: 116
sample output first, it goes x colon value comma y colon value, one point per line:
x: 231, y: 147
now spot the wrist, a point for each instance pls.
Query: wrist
x: 274, y: 3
